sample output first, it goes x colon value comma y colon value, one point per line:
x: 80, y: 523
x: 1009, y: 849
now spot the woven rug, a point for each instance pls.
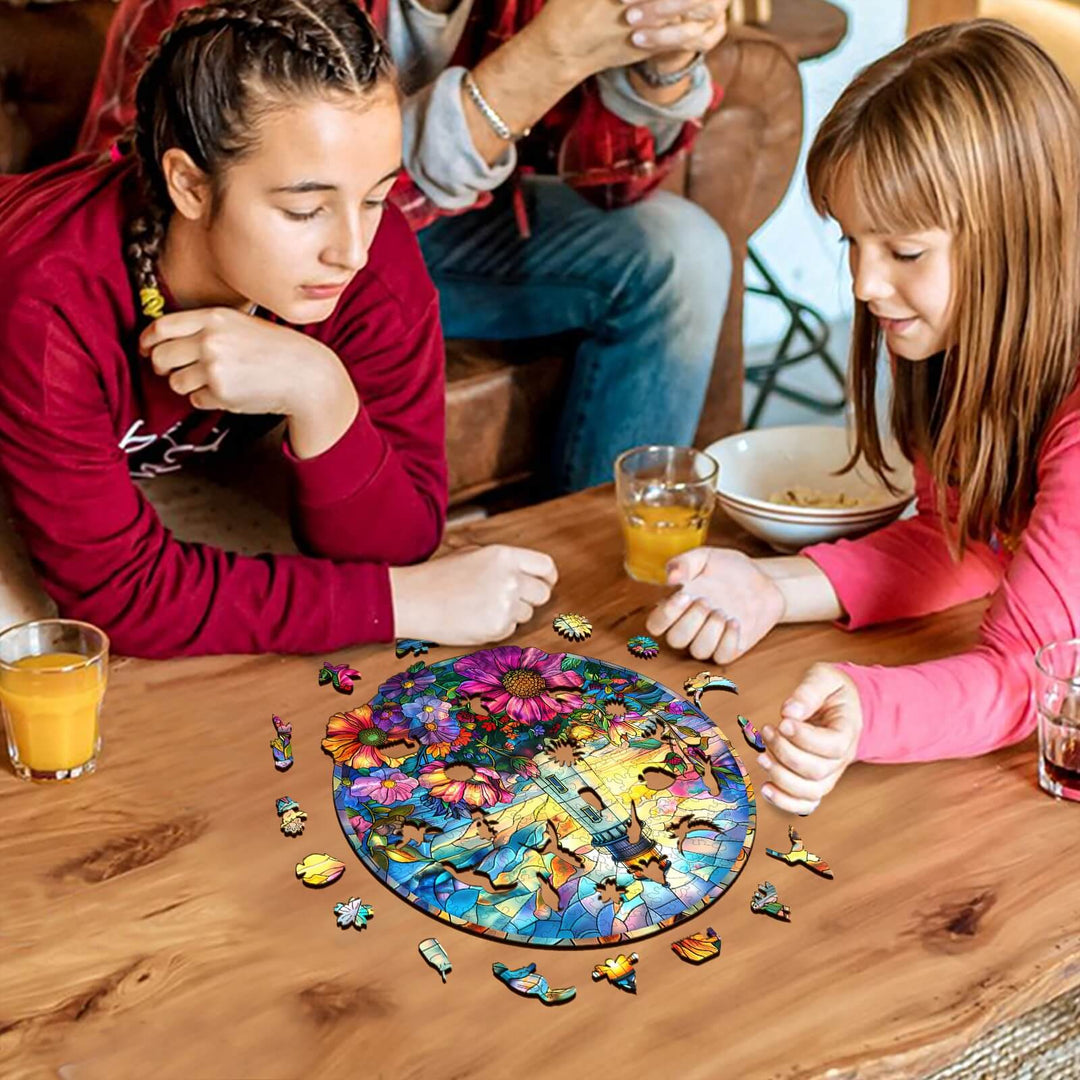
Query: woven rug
x: 1043, y: 1044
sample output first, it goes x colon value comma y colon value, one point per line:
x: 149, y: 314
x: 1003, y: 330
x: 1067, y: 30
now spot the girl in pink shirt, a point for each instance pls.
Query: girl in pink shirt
x: 240, y: 268
x: 952, y: 166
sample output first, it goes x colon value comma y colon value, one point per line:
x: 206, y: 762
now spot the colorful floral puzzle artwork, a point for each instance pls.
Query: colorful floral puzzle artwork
x: 548, y: 799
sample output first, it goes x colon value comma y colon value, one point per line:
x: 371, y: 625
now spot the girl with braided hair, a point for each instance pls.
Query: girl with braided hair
x: 240, y: 266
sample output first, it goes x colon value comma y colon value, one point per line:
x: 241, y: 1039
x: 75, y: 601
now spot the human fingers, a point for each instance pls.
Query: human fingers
x: 534, y: 590
x: 687, y: 626
x: 708, y: 637
x: 667, y: 612
x: 729, y: 647
x: 187, y: 380
x: 808, y: 698
x: 175, y: 353
x: 649, y: 13
x: 523, y: 611
x: 687, y: 566
x: 782, y: 801
x: 537, y: 563
x: 677, y: 37
x: 206, y: 399
x: 799, y: 761
x: 813, y: 738
x: 178, y: 324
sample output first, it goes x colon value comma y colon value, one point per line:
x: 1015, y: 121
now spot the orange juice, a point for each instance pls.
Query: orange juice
x: 655, y: 534
x: 52, y: 715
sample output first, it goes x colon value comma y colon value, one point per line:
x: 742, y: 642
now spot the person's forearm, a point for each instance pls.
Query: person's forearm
x: 521, y: 81
x: 808, y: 593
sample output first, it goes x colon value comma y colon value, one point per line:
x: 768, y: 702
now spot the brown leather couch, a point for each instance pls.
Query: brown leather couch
x: 501, y: 398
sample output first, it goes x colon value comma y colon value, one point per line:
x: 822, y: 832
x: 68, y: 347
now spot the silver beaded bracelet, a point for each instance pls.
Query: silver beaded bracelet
x: 497, y: 123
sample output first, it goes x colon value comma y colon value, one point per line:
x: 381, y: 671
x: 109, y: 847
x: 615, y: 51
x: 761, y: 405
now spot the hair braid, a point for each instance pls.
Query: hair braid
x: 200, y: 87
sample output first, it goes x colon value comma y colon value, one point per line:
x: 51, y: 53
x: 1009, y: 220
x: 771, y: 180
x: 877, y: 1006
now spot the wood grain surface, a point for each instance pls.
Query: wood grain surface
x: 151, y: 922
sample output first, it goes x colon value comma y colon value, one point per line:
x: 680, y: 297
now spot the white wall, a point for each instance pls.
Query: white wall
x: 803, y: 251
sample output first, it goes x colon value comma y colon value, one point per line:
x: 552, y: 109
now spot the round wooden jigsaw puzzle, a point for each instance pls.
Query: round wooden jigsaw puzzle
x: 543, y: 798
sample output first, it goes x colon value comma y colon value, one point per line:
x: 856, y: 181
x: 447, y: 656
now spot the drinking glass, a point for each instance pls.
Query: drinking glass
x: 1057, y: 698
x: 52, y: 681
x: 666, y: 496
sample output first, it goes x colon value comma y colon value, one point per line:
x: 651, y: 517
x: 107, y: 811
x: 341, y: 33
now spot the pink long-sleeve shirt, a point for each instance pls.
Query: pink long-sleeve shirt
x: 980, y: 700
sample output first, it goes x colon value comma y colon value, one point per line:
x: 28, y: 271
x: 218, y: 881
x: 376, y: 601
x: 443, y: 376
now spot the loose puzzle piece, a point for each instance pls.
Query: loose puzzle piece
x: 697, y: 948
x: 619, y: 972
x: 766, y: 902
x: 799, y: 854
x: 319, y: 869
x: 341, y: 675
x: 435, y: 955
x: 572, y: 627
x: 282, y: 745
x: 704, y: 681
x: 751, y: 734
x: 413, y: 645
x: 354, y: 912
x: 292, y: 817
x: 526, y: 981
x: 643, y: 647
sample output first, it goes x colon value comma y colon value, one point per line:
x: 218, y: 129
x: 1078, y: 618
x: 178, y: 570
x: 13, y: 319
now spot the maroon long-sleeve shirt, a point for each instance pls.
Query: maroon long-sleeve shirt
x: 81, y: 412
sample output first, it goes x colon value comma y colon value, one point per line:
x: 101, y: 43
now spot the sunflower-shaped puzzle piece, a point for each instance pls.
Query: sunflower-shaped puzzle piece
x: 798, y: 854
x: 697, y: 948
x: 340, y: 676
x: 643, y: 647
x: 766, y: 901
x: 572, y: 627
x: 619, y: 972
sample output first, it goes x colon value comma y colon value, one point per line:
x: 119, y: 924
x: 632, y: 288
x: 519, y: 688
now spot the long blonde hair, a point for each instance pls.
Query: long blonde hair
x: 970, y: 128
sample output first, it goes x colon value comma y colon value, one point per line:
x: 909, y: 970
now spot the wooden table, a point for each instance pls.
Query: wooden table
x: 151, y: 923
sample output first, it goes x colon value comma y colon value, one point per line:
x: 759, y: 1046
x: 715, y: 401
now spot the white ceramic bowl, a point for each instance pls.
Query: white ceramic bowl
x: 755, y: 464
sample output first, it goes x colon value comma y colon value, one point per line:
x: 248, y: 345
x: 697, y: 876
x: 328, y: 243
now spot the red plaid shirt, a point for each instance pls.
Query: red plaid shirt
x: 610, y: 161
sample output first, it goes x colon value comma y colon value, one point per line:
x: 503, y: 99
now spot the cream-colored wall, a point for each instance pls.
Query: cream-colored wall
x: 1055, y: 24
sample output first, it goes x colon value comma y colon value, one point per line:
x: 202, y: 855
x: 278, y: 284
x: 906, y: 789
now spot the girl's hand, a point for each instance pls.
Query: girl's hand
x: 223, y: 359
x: 471, y: 597
x: 820, y: 725
x: 724, y: 607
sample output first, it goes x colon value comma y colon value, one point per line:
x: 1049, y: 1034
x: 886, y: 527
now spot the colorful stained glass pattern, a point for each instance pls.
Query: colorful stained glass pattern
x: 544, y: 798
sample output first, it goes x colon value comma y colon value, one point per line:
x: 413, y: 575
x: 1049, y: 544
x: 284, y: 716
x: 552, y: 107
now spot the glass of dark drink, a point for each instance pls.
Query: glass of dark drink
x: 1057, y: 698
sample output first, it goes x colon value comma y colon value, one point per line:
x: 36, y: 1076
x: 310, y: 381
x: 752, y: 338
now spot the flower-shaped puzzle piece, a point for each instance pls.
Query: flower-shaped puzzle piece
x: 643, y: 647
x: 572, y: 627
x: 353, y: 912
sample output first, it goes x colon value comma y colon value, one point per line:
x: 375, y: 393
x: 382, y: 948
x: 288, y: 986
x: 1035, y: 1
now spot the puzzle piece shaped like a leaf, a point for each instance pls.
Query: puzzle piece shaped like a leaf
x: 353, y: 912
x: 319, y: 869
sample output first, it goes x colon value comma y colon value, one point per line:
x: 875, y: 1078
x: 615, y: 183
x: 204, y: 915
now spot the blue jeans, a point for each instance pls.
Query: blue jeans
x: 647, y: 285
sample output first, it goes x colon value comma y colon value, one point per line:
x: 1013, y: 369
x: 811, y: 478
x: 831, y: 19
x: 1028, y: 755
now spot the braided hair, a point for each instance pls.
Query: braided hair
x: 202, y: 87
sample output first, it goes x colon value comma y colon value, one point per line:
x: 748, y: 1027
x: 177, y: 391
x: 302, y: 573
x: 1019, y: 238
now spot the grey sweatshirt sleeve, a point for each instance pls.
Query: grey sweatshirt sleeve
x: 438, y: 148
x: 664, y: 121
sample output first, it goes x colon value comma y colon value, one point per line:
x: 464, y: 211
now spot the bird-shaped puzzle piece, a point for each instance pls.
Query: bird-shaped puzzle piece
x: 799, y: 854
x: 704, y: 681
x: 340, y: 675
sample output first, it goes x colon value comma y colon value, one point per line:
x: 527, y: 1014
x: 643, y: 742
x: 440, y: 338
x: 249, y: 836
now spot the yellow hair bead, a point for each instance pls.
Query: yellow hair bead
x: 152, y: 302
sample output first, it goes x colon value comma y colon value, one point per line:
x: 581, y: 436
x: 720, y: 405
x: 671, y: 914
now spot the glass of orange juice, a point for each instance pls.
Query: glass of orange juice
x: 666, y: 496
x: 52, y: 680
